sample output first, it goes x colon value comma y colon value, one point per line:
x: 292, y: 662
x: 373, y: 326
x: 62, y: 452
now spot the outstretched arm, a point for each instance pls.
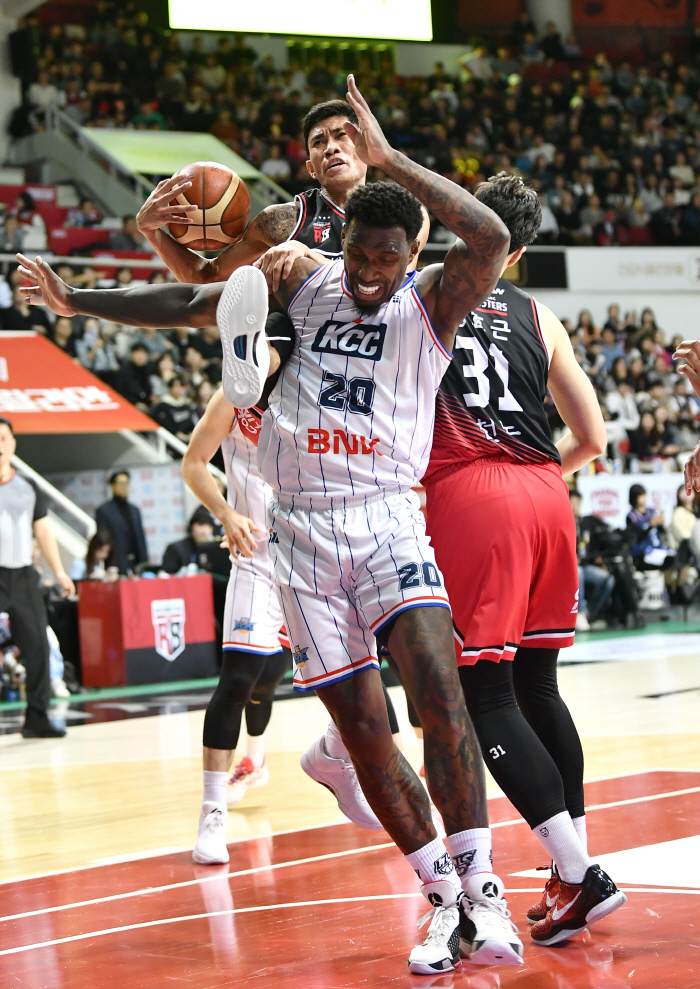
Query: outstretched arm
x: 158, y: 306
x: 689, y: 351
x: 270, y: 227
x: 474, y: 264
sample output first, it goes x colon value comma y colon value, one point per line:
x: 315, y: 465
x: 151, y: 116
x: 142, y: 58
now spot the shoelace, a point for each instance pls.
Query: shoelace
x: 497, y: 906
x: 240, y: 773
x: 435, y: 931
x: 214, y: 819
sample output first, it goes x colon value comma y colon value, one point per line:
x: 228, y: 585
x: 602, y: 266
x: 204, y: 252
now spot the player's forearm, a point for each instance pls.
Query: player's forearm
x: 456, y: 208
x: 48, y: 545
x: 577, y: 452
x: 184, y: 264
x: 196, y: 476
x: 158, y: 306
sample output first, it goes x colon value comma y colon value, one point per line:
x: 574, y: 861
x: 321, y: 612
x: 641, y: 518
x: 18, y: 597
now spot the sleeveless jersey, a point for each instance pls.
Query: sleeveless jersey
x: 352, y: 413
x: 319, y: 224
x: 490, y: 402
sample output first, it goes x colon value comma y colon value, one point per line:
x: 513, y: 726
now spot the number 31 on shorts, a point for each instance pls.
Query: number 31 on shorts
x: 415, y: 574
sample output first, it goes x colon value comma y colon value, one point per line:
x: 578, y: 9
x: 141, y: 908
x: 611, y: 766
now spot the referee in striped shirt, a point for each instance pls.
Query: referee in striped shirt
x: 22, y: 517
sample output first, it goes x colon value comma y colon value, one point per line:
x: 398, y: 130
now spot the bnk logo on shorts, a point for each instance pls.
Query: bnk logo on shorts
x: 351, y: 339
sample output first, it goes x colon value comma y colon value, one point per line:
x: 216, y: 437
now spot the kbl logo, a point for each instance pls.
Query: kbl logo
x: 351, y: 339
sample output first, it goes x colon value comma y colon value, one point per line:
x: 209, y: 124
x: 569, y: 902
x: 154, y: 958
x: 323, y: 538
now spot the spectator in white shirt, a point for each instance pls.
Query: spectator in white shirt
x: 275, y: 166
x: 43, y: 93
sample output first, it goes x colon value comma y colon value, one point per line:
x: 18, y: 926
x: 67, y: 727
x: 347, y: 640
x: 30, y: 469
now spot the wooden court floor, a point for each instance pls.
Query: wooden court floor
x: 97, y: 885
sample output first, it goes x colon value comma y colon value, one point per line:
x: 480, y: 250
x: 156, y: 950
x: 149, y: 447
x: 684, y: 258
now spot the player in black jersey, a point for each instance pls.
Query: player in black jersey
x: 504, y: 536
x: 313, y: 221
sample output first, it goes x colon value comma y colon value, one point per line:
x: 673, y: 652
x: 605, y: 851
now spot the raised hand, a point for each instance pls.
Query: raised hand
x: 371, y: 145
x: 159, y: 209
x: 689, y: 351
x: 48, y: 289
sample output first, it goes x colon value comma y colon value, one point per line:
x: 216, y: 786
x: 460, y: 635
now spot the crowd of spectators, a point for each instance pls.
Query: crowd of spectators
x: 614, y: 150
x: 651, y: 414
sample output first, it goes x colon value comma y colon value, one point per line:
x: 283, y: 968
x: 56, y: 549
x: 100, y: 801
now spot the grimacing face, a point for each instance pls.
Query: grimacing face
x: 375, y: 259
x: 333, y: 160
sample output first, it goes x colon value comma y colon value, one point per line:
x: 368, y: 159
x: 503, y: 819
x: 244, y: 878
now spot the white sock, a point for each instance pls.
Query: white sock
x: 432, y: 863
x: 580, y: 825
x: 214, y: 786
x: 334, y: 744
x: 561, y: 842
x: 255, y: 749
x: 471, y: 852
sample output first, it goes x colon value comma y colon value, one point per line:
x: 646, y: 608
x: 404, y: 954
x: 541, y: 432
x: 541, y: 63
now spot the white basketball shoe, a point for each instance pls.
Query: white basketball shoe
x: 487, y: 934
x: 210, y: 848
x: 240, y: 317
x: 338, y: 775
x: 440, y: 950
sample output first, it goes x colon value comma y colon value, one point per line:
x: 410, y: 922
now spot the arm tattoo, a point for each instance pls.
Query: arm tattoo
x: 471, y: 268
x: 276, y: 223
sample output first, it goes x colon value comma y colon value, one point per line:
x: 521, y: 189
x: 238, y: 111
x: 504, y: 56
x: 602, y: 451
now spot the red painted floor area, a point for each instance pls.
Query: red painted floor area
x: 335, y: 908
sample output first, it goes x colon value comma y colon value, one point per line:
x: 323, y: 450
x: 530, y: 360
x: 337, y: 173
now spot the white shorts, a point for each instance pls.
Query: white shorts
x: 344, y: 573
x: 252, y: 616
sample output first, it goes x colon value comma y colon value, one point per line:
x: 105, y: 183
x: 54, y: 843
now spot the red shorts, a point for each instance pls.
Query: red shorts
x: 505, y: 540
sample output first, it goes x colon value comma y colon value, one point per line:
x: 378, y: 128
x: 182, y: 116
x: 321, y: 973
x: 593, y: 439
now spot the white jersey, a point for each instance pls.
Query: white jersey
x: 252, y: 617
x: 352, y: 413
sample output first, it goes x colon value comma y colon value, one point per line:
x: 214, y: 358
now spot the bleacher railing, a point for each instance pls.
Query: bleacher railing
x: 53, y: 119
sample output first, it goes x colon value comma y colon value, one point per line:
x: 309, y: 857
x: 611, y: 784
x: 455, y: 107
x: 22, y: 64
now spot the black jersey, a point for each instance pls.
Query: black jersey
x: 319, y: 224
x: 491, y: 400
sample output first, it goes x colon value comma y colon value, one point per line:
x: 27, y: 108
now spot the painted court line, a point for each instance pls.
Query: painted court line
x: 193, y: 882
x: 284, y: 865
x: 273, y: 906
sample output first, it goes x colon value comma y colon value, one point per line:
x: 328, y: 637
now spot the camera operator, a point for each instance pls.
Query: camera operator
x: 606, y: 568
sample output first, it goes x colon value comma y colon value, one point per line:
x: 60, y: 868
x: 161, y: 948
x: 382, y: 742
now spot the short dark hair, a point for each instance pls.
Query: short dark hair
x: 385, y: 204
x: 516, y: 204
x: 322, y: 111
x: 574, y: 493
x: 635, y: 491
x: 118, y: 473
x: 6, y: 422
x: 138, y: 346
x: 201, y: 516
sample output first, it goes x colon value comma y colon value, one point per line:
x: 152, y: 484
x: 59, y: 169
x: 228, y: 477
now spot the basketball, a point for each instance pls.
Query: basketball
x: 223, y: 207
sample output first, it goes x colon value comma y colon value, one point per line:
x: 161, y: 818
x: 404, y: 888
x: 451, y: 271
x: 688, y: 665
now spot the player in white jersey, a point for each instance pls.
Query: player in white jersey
x: 346, y: 435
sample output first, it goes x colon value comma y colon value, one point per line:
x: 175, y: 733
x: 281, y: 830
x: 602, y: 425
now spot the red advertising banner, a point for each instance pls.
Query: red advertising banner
x: 43, y: 391
x: 647, y: 13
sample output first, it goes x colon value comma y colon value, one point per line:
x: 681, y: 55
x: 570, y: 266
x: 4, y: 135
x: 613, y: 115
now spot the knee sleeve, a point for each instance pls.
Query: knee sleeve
x: 259, y: 707
x: 537, y: 692
x: 516, y: 758
x: 222, y: 721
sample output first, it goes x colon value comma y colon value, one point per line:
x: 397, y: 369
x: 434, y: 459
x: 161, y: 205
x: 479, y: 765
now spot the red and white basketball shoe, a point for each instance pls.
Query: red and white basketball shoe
x: 578, y: 906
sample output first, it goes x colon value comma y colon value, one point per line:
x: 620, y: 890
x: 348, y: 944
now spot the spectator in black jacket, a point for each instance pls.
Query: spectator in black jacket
x: 123, y: 521
x: 176, y: 412
x: 133, y: 379
x: 185, y: 551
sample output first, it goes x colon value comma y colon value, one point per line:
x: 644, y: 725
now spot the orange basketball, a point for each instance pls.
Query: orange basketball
x: 223, y: 207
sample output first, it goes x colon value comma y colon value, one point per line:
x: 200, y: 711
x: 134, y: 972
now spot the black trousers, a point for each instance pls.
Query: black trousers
x: 21, y: 598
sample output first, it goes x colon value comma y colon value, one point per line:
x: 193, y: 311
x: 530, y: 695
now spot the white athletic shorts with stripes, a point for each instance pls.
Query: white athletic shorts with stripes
x: 343, y: 574
x: 252, y: 615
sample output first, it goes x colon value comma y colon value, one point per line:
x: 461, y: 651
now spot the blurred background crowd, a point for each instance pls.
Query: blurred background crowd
x: 614, y: 149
